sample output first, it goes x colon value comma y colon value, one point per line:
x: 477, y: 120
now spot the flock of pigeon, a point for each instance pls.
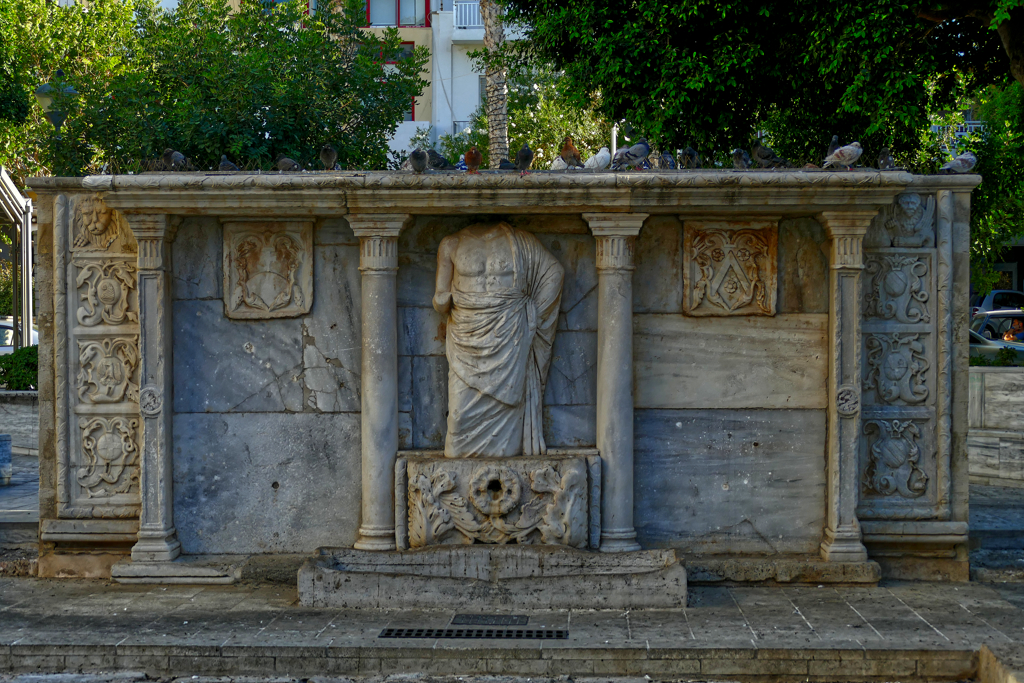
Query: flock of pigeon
x: 637, y: 156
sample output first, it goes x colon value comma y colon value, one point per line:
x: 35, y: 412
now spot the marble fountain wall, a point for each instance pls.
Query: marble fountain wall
x: 758, y: 434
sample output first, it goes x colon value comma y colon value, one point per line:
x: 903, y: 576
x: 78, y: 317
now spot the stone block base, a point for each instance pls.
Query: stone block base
x: 493, y: 577
x: 194, y: 569
x: 773, y: 570
x: 925, y: 569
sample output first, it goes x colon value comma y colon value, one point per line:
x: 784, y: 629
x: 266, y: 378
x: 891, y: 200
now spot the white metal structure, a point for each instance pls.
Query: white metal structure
x: 467, y: 14
x: 17, y: 210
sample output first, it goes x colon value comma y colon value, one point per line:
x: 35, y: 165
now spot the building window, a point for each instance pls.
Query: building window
x: 398, y: 12
x: 405, y: 51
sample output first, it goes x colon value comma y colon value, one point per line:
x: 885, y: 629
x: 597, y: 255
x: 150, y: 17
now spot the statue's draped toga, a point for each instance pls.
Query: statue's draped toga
x: 498, y: 340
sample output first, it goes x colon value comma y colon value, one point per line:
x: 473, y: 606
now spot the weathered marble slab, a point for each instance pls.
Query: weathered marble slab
x: 579, y: 288
x: 252, y: 486
x: 750, y: 481
x: 196, y: 259
x: 751, y: 362
x: 429, y: 401
x: 1004, y: 400
x: 570, y: 426
x: 658, y: 278
x: 803, y: 266
x: 334, y: 231
x: 572, y: 379
x: 421, y: 332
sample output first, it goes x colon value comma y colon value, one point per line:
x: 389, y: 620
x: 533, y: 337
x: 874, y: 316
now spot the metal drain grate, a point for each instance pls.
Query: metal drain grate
x: 513, y: 633
x: 490, y: 620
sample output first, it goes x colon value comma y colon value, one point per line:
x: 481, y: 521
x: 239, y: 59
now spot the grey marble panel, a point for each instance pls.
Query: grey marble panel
x: 570, y: 426
x: 404, y: 384
x: 658, y: 278
x: 272, y: 484
x: 743, y: 481
x: 196, y: 255
x: 421, y: 332
x: 576, y: 253
x: 404, y: 431
x: 416, y: 279
x: 751, y: 362
x: 429, y: 401
x: 803, y: 266
x: 572, y: 379
x: 334, y: 231
x: 223, y: 365
x: 984, y: 455
x: 1004, y: 400
x: 1011, y: 459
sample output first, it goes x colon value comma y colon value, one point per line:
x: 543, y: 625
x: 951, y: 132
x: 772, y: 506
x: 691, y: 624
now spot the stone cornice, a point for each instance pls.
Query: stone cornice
x: 722, y: 193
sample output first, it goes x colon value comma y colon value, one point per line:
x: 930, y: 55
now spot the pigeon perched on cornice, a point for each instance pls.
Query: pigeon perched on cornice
x: 740, y: 159
x: 283, y: 163
x: 524, y: 158
x: 844, y: 156
x: 558, y: 164
x: 631, y: 156
x: 600, y: 160
x: 765, y: 156
x: 172, y: 160
x: 689, y: 158
x: 473, y: 159
x: 666, y: 161
x: 438, y: 162
x: 833, y: 146
x: 506, y: 165
x: 328, y: 157
x: 418, y: 160
x: 960, y: 164
x: 885, y: 162
x: 226, y: 165
x: 570, y: 155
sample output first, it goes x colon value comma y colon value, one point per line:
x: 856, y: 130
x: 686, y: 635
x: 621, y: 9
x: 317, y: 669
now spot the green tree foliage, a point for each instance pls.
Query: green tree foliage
x: 264, y: 80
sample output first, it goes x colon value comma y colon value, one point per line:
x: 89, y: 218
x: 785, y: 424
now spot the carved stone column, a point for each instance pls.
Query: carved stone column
x: 842, y: 537
x: 378, y: 262
x: 615, y: 233
x: 158, y: 540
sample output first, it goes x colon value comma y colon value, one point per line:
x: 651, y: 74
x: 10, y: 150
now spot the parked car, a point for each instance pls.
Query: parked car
x: 996, y: 300
x: 7, y: 336
x: 993, y: 324
x: 980, y: 346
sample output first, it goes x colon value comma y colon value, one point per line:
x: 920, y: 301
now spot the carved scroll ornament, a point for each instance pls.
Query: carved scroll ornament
x: 110, y: 456
x: 498, y: 506
x: 106, y: 298
x: 897, y: 288
x: 894, y: 457
x: 107, y: 370
x: 268, y: 270
x: 730, y: 271
x: 896, y: 368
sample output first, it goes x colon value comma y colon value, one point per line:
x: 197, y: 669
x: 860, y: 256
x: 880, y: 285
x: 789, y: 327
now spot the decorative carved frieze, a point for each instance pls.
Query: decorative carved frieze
x: 896, y: 367
x: 897, y: 287
x: 268, y: 269
x: 517, y: 500
x: 110, y: 456
x: 730, y: 268
x: 106, y: 291
x: 894, y: 457
x: 107, y: 370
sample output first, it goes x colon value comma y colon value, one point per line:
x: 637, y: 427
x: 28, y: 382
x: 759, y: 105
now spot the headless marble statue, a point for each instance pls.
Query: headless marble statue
x: 501, y: 290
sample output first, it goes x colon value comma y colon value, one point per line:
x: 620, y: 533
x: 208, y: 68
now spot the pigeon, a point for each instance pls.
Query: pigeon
x: 832, y: 146
x: 766, y: 157
x: 524, y: 157
x: 570, y: 155
x: 689, y: 158
x: 961, y: 164
x: 600, y: 160
x: 666, y: 161
x: 418, y: 160
x: 844, y: 156
x: 226, y: 165
x: 328, y: 157
x: 473, y: 158
x: 740, y: 159
x: 173, y: 161
x: 438, y: 162
x: 506, y: 165
x: 283, y: 163
x: 885, y: 162
x: 631, y: 156
x: 558, y: 164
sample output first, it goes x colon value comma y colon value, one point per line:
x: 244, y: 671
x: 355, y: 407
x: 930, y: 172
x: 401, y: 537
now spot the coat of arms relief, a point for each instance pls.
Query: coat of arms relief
x: 730, y: 268
x: 268, y: 269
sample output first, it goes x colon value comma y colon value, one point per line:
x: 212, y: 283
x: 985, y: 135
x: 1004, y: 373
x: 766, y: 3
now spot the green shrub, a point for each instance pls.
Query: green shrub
x: 19, y: 371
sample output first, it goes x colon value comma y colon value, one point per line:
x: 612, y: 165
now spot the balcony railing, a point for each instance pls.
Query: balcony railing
x: 467, y: 14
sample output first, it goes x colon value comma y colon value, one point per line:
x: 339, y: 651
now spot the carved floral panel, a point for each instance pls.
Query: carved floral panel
x: 896, y: 368
x: 110, y: 456
x: 730, y: 268
x: 268, y: 269
x: 500, y: 501
x: 107, y: 293
x: 894, y: 459
x: 896, y: 287
x: 108, y: 370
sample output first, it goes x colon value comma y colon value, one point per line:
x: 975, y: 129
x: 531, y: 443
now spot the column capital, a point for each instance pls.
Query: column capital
x: 152, y: 232
x: 846, y: 223
x: 379, y: 224
x: 615, y: 224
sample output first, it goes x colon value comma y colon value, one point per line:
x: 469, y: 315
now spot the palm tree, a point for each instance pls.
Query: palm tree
x: 497, y: 88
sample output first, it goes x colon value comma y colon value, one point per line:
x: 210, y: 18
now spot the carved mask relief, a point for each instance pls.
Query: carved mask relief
x: 896, y: 368
x: 730, y: 268
x: 896, y: 288
x: 268, y: 269
x: 96, y: 227
x: 909, y: 221
x: 894, y: 458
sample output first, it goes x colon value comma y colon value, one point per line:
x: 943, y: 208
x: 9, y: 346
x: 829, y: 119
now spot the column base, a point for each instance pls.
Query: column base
x: 375, y: 538
x: 618, y: 541
x: 156, y: 546
x: 843, y: 545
